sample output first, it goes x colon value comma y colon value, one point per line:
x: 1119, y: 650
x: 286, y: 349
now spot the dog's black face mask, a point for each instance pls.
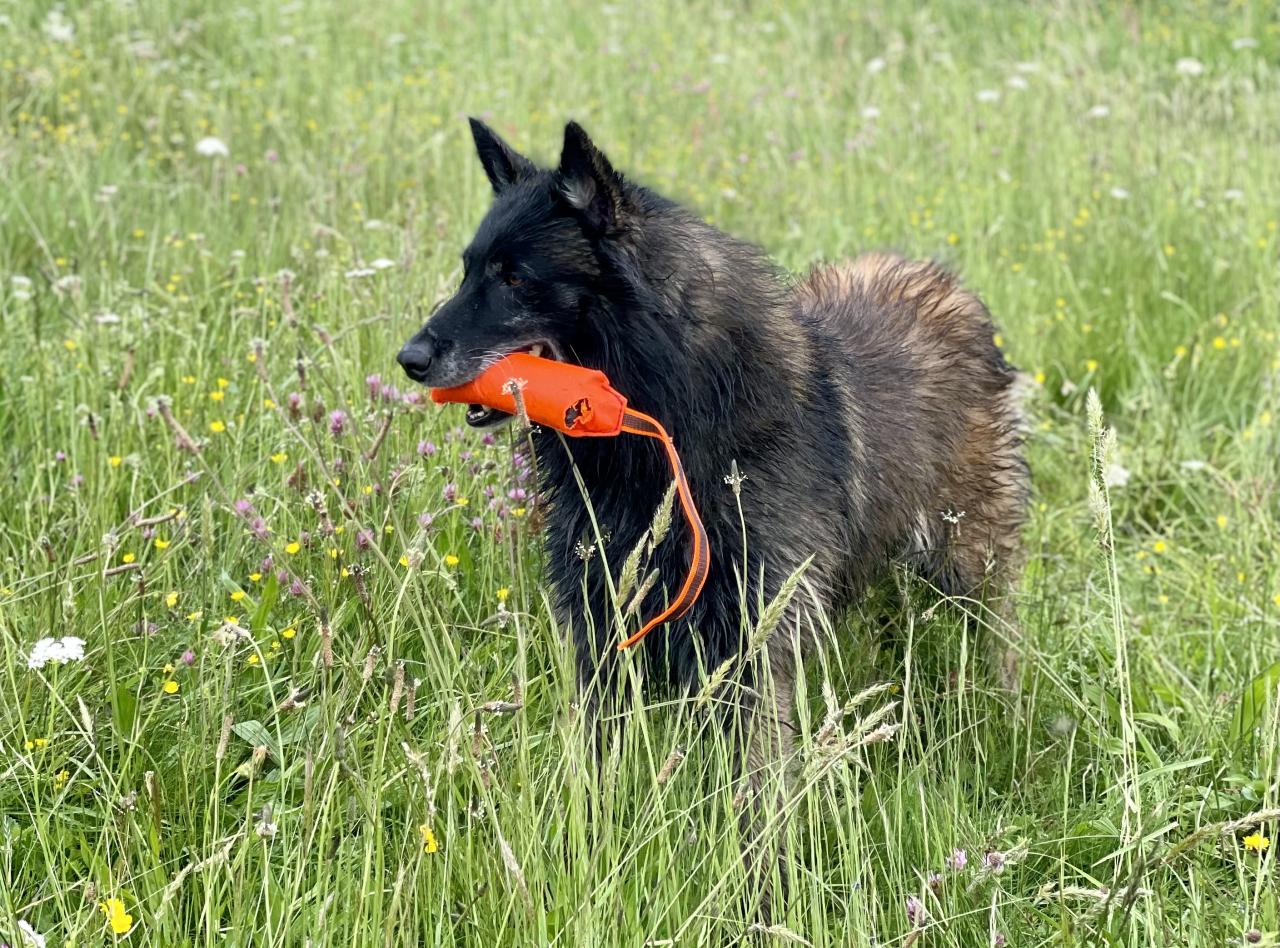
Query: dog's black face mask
x: 532, y: 271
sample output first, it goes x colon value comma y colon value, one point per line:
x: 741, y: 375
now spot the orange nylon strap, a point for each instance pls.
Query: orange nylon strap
x: 636, y: 422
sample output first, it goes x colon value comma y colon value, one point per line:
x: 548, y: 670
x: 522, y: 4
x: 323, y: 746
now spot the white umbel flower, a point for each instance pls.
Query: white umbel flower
x: 211, y: 147
x: 63, y: 650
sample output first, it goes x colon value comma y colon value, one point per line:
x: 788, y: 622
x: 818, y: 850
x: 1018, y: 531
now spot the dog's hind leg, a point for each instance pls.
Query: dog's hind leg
x: 982, y: 552
x: 766, y: 729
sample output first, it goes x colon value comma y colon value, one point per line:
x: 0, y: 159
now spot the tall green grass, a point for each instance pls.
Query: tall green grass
x: 373, y: 738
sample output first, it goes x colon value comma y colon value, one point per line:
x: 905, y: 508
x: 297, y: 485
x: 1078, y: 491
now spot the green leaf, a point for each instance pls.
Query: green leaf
x: 1253, y: 702
x: 266, y: 602
x: 256, y: 733
x: 125, y: 709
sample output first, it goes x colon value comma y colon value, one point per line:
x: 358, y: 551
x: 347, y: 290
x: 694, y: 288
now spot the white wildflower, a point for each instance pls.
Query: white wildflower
x: 107, y: 319
x: 382, y: 263
x: 1244, y: 42
x: 1017, y: 82
x: 21, y: 286
x: 1187, y: 66
x: 1116, y: 475
x: 30, y: 937
x: 359, y: 273
x: 58, y: 28
x: 63, y: 650
x: 67, y: 285
x: 870, y: 112
x: 1120, y: 194
x: 988, y: 95
x: 211, y: 147
x: 1193, y: 465
x: 876, y: 65
x: 1233, y: 194
x: 1098, y: 112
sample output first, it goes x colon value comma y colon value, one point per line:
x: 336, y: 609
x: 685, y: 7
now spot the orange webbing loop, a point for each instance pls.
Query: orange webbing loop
x: 635, y: 422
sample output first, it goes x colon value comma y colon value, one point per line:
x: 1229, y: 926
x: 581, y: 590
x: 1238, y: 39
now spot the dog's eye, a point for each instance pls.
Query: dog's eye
x: 512, y: 279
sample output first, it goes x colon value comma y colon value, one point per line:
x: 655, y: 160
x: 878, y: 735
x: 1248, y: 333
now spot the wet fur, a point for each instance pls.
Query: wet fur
x: 866, y: 405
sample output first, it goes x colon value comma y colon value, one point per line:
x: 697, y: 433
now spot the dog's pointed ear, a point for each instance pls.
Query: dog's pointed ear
x: 502, y: 163
x: 588, y: 182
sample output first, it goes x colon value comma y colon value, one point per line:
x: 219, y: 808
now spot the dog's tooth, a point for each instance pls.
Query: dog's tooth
x: 535, y: 349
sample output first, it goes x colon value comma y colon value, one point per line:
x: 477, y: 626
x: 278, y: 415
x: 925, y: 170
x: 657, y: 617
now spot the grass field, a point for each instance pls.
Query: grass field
x: 321, y: 698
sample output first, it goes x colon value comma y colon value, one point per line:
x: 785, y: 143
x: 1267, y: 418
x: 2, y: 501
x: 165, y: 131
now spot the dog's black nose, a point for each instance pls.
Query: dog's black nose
x: 415, y: 358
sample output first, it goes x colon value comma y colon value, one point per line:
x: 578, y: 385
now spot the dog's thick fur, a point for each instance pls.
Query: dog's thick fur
x: 867, y: 407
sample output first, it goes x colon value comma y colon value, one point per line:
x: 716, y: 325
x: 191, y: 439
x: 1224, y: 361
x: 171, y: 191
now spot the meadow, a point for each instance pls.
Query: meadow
x: 301, y: 684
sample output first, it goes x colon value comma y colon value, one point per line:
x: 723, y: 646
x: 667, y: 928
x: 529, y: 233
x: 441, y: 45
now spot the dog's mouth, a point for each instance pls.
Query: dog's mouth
x: 482, y: 416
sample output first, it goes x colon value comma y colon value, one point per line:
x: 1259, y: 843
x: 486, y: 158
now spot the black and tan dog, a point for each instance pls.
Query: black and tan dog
x: 867, y: 407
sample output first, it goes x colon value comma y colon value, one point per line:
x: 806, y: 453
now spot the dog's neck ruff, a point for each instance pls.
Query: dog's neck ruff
x: 582, y: 403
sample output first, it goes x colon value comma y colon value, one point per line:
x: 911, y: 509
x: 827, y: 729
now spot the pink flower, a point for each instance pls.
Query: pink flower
x: 916, y: 913
x: 337, y: 422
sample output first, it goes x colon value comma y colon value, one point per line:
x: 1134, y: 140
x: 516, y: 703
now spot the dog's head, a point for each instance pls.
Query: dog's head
x: 533, y: 270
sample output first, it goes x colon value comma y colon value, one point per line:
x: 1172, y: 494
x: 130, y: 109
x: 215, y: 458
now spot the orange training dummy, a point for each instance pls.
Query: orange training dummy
x: 581, y: 403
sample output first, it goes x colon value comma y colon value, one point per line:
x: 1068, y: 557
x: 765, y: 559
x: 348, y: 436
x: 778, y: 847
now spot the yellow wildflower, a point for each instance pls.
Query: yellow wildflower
x: 450, y: 560
x: 119, y: 920
x: 170, y: 687
x: 1256, y: 842
x: 429, y: 843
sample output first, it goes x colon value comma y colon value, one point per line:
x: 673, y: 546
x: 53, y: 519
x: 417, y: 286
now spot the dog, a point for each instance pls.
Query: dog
x: 865, y: 411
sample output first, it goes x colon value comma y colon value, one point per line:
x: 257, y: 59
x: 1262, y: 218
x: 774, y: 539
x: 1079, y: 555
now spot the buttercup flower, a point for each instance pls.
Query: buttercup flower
x: 119, y: 920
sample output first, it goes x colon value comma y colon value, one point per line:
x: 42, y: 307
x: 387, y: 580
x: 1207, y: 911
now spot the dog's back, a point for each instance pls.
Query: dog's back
x: 932, y: 416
